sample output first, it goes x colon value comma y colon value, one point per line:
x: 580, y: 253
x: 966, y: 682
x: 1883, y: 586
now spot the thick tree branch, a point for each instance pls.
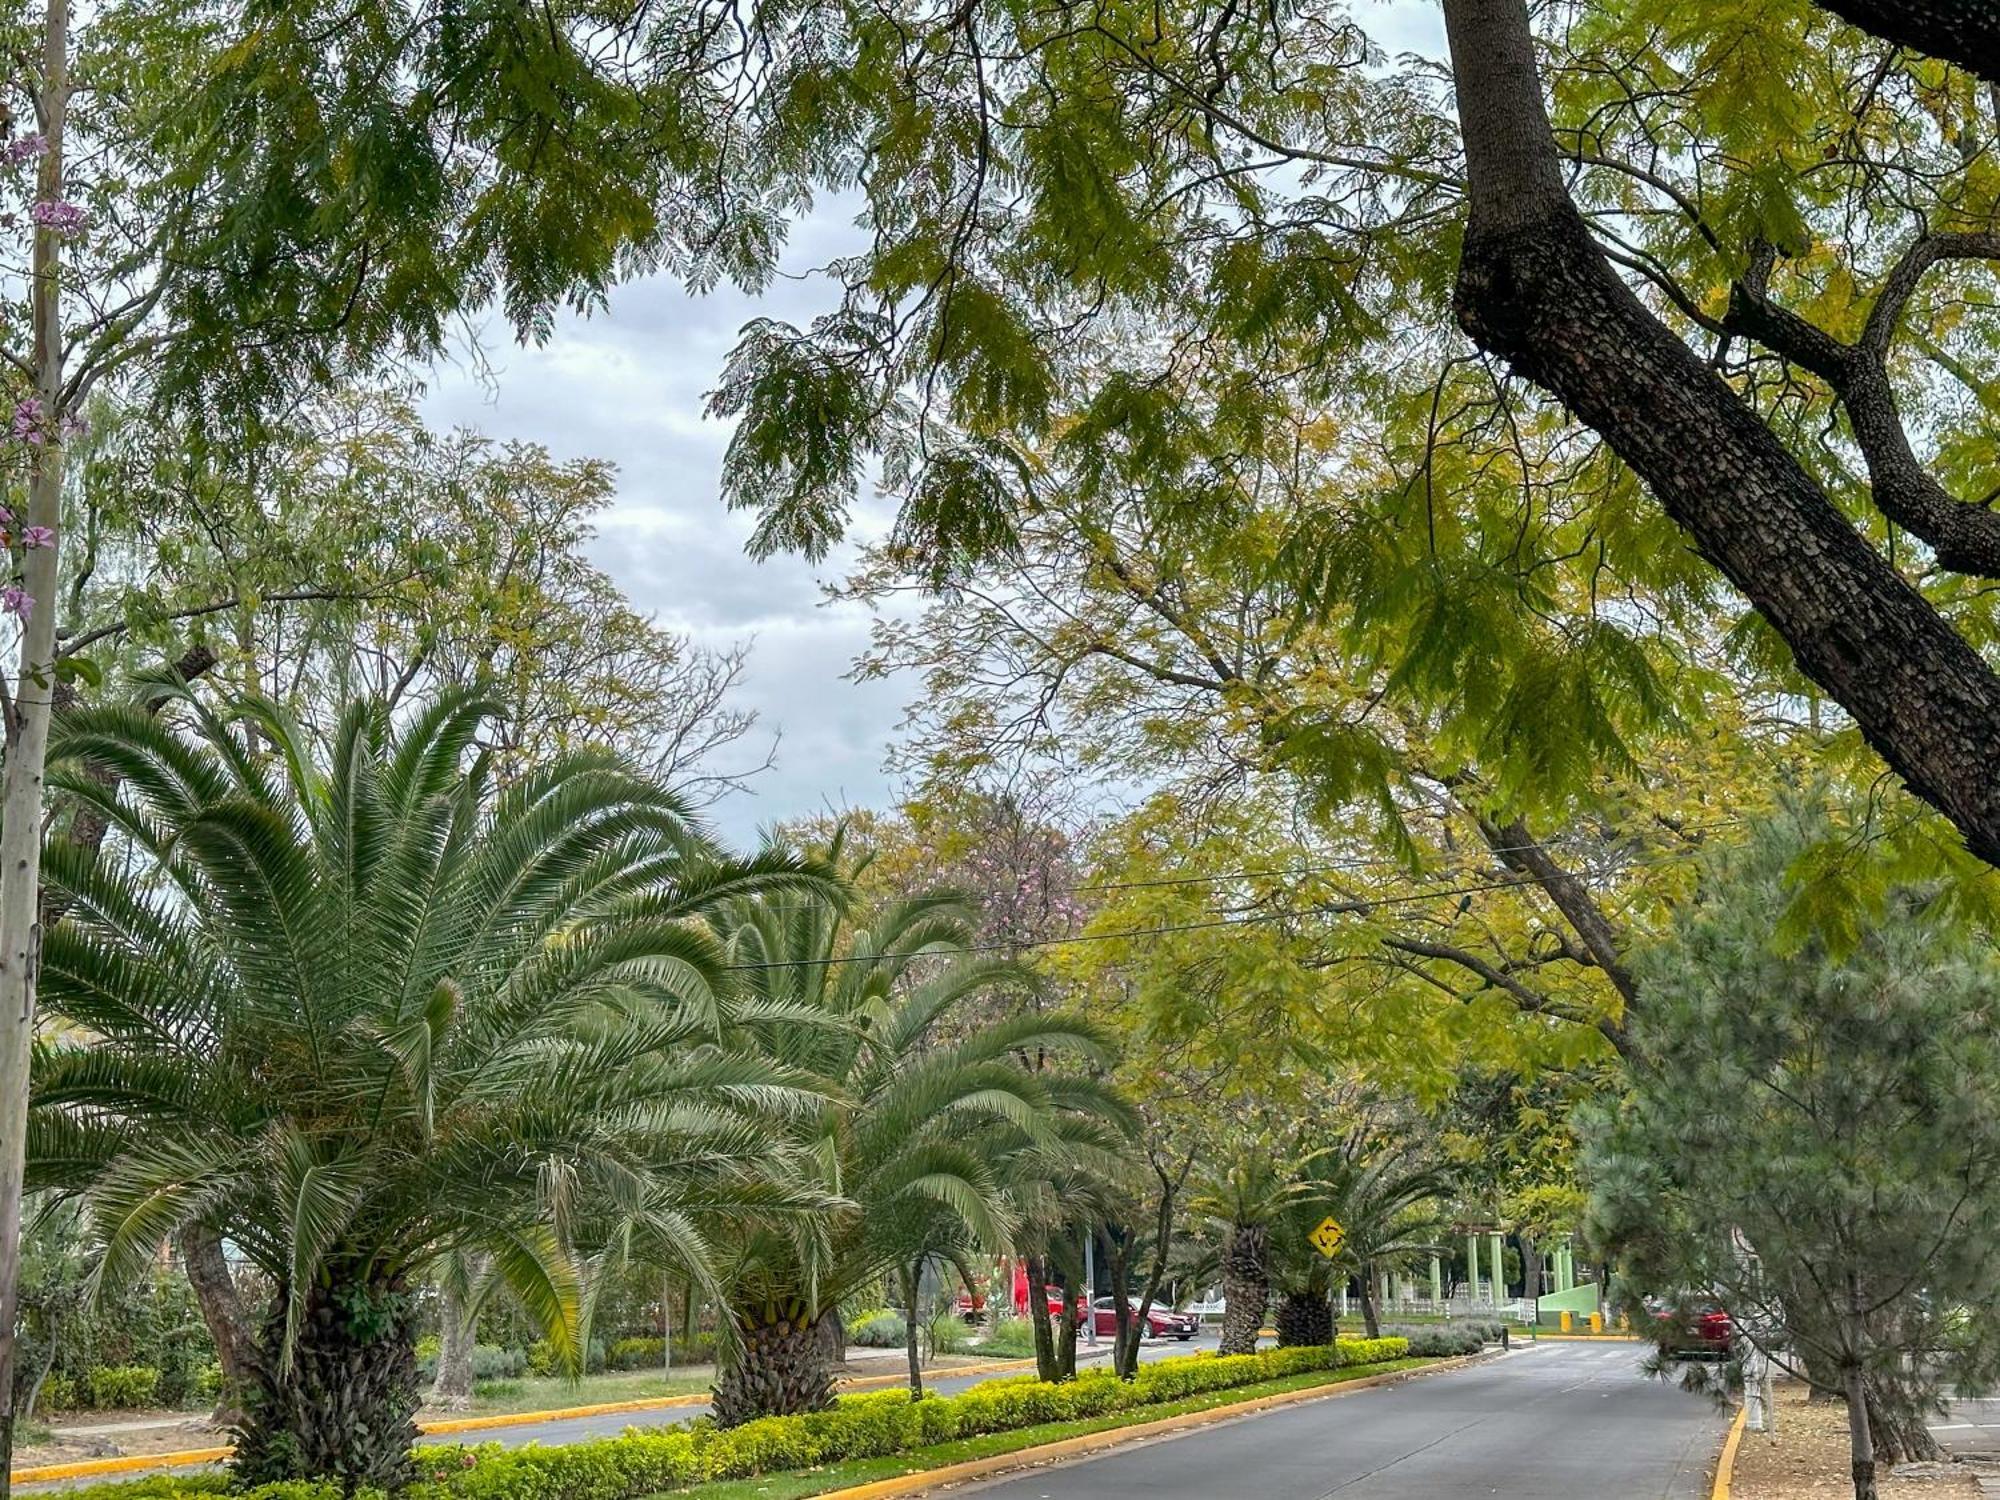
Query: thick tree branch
x: 1966, y: 32
x: 1965, y: 537
x: 1534, y: 289
x: 1530, y: 1001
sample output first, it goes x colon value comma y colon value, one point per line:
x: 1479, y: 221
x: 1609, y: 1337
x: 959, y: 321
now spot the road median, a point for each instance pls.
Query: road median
x: 136, y: 1463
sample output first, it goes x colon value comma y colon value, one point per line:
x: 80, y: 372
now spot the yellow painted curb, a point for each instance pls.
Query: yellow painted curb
x: 1725, y: 1466
x: 124, y: 1464
x: 925, y: 1480
x: 127, y: 1463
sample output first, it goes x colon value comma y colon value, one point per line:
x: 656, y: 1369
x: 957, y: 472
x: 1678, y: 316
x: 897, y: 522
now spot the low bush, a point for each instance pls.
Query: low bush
x: 647, y: 1353
x: 879, y: 1330
x: 1009, y: 1337
x: 645, y: 1461
x: 1439, y: 1339
x: 112, y: 1387
x: 642, y: 1462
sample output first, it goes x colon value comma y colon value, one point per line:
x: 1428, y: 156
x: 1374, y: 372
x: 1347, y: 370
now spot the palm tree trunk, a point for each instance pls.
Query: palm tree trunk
x: 778, y: 1369
x: 1304, y: 1319
x: 1371, y: 1316
x: 1246, y: 1287
x: 344, y: 1408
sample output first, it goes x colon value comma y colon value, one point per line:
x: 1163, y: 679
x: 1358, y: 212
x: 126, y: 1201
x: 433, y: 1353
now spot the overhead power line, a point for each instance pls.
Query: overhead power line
x: 1356, y: 906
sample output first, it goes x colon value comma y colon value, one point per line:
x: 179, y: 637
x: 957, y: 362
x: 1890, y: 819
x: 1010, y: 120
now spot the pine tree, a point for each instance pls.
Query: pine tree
x: 1813, y: 1134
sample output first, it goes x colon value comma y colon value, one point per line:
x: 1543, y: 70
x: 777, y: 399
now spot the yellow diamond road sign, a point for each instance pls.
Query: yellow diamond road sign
x: 1326, y: 1239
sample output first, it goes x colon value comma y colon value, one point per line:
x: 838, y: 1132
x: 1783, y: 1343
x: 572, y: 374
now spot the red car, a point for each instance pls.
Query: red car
x: 1161, y: 1322
x: 1702, y: 1330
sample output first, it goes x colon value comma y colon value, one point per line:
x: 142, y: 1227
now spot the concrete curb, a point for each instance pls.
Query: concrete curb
x: 925, y: 1480
x: 131, y: 1462
x: 1725, y: 1466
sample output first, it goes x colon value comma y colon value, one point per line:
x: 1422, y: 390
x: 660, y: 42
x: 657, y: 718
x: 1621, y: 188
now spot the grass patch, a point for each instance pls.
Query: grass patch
x: 861, y: 1471
x: 551, y: 1392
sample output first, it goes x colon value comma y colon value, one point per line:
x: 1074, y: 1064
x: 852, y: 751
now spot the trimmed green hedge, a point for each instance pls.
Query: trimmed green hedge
x: 870, y: 1426
x: 645, y: 1461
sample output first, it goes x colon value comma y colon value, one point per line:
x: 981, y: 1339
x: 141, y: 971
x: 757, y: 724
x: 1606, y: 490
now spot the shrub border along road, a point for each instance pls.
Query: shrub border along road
x: 133, y: 1463
x: 859, y: 1428
x: 1113, y: 1432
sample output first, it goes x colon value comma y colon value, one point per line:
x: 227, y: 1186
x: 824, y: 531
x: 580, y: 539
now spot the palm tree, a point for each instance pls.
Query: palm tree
x: 1245, y: 1200
x: 359, y: 1009
x: 925, y: 1107
x: 1390, y: 1197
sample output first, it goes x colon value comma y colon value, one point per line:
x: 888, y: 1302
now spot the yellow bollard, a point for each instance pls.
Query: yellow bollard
x: 1597, y: 1322
x: 1565, y: 1322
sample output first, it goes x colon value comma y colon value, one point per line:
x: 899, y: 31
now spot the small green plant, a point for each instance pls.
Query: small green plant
x: 498, y: 1390
x: 882, y: 1330
x: 1011, y: 1337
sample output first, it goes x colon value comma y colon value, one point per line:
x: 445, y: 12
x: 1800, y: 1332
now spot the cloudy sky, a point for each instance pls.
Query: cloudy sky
x: 629, y: 386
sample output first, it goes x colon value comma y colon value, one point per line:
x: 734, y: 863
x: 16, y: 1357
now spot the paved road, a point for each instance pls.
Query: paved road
x: 1547, y: 1422
x: 572, y: 1430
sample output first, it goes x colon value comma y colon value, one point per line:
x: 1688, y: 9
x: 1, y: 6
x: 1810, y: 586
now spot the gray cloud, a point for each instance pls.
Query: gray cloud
x: 629, y: 386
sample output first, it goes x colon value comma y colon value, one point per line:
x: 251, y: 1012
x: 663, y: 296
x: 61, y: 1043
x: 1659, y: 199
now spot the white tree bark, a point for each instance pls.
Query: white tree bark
x: 27, y: 738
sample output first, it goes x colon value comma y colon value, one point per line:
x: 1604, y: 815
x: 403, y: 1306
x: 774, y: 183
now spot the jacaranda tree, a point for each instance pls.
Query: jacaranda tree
x: 357, y: 1007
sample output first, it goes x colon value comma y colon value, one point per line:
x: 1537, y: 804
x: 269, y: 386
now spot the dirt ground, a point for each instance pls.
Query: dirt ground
x: 1807, y: 1460
x: 117, y: 1433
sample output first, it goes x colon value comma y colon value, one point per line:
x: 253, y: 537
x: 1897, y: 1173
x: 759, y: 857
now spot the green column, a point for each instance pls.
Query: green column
x: 1499, y: 1264
x: 1565, y: 1272
x: 1437, y: 1281
x: 1472, y: 1264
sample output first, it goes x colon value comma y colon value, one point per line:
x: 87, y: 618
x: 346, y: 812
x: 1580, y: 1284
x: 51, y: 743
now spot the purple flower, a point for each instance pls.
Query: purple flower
x: 23, y: 150
x: 39, y: 536
x: 74, y: 425
x: 27, y: 423
x: 16, y: 601
x: 56, y: 215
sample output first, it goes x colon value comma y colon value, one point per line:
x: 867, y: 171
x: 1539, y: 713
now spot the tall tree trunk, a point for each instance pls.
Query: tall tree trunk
x: 912, y: 1278
x: 1126, y: 1330
x: 778, y: 1369
x: 1038, y: 1318
x: 1371, y: 1316
x: 452, y: 1389
x: 222, y: 1310
x: 1246, y: 1286
x: 1531, y: 1268
x: 1066, y: 1329
x: 1860, y: 1437
x: 1534, y: 289
x: 344, y: 1406
x: 27, y: 732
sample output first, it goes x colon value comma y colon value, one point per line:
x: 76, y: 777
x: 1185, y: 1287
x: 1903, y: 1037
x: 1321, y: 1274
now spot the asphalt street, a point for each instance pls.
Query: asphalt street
x: 574, y: 1429
x: 1549, y: 1421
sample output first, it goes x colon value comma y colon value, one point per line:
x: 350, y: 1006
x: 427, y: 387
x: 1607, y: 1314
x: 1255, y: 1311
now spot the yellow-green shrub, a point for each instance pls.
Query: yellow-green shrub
x: 887, y: 1422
